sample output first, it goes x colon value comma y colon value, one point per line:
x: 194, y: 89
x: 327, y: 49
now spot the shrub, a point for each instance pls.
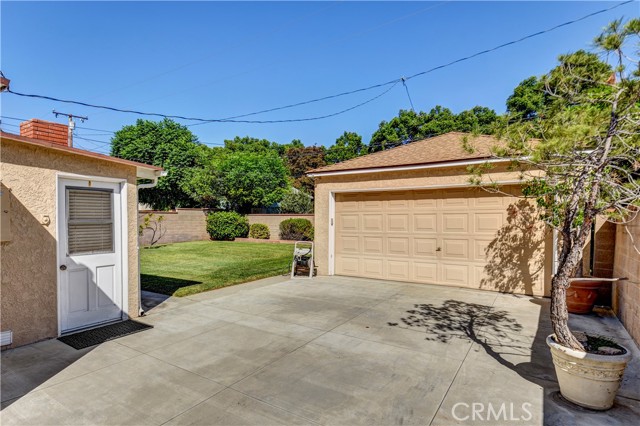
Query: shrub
x: 296, y: 229
x: 260, y: 231
x: 296, y: 202
x: 227, y: 226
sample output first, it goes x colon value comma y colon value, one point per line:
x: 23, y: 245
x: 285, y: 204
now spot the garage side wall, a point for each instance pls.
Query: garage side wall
x: 415, y: 179
x: 29, y: 270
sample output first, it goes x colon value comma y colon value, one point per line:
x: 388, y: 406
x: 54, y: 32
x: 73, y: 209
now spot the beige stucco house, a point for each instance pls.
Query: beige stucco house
x: 69, y: 235
x: 411, y: 214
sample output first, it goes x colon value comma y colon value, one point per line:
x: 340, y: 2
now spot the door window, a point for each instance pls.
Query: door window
x: 89, y: 221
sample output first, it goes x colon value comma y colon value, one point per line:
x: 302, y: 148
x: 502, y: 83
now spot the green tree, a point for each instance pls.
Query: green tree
x: 527, y: 99
x: 299, y: 161
x: 166, y: 144
x: 476, y: 120
x: 296, y: 201
x: 249, y: 179
x: 409, y: 126
x: 349, y: 145
x: 584, y: 161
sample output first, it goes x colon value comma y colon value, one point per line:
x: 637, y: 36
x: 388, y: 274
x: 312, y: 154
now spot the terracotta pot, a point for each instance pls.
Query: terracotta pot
x: 588, y: 380
x: 582, y: 294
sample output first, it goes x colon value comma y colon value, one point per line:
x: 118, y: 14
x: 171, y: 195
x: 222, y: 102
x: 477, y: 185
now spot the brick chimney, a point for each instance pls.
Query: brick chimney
x: 45, y: 131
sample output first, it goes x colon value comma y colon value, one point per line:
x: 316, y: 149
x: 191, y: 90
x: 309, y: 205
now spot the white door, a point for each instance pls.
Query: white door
x: 90, y: 253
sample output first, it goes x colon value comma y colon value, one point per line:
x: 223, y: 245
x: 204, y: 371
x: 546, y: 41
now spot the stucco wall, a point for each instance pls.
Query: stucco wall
x: 28, y: 288
x: 626, y: 298
x: 273, y: 221
x: 411, y: 179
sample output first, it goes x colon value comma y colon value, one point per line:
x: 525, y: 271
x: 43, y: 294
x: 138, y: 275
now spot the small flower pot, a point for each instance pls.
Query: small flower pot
x: 582, y: 294
x: 588, y: 380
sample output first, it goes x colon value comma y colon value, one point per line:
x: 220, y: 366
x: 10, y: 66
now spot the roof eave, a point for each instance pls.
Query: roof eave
x: 143, y: 171
x: 466, y: 162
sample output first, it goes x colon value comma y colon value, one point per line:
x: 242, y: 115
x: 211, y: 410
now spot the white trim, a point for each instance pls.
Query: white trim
x: 124, y: 243
x: 58, y: 236
x: 443, y: 186
x: 64, y: 175
x: 332, y: 233
x: 414, y: 167
x: 124, y: 248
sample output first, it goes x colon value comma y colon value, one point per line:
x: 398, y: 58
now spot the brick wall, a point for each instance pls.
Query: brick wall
x: 626, y: 299
x: 273, y: 221
x: 45, y: 131
x: 180, y: 225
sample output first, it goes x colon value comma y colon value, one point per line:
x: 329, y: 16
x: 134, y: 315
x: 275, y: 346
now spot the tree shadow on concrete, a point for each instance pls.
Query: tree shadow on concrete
x: 515, y: 257
x: 500, y: 335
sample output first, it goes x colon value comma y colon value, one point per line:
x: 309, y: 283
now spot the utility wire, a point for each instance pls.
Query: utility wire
x: 510, y: 43
x: 221, y: 120
x: 392, y: 82
x: 404, y: 83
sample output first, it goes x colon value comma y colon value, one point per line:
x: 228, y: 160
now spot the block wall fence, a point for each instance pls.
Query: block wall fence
x: 626, y: 294
x: 184, y: 225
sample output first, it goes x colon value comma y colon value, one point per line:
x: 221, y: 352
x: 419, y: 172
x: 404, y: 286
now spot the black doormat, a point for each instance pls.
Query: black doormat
x: 95, y: 336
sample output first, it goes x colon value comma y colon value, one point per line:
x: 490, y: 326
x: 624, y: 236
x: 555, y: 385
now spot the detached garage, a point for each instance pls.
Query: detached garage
x: 410, y: 214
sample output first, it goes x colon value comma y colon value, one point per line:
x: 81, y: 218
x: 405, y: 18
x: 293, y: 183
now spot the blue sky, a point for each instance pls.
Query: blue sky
x: 218, y: 59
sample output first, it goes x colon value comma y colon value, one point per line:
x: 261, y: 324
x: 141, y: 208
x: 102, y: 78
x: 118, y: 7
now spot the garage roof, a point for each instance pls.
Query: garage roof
x: 446, y: 148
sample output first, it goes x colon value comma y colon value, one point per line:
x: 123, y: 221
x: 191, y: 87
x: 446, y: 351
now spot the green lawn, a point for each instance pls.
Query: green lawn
x: 182, y: 269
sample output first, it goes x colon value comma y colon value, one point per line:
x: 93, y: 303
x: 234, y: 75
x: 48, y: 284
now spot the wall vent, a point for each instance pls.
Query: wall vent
x: 6, y: 338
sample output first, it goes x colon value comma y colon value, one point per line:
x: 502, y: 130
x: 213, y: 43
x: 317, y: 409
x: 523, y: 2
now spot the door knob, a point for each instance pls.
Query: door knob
x: 439, y: 249
x: 63, y: 267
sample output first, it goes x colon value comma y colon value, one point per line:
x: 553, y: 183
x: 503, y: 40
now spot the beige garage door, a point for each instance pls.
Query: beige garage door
x: 435, y: 236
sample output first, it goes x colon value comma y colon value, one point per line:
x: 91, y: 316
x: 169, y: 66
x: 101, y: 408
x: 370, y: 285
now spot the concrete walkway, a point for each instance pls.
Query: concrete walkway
x: 335, y: 351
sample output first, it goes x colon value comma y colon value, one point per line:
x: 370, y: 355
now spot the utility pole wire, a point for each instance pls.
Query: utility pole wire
x: 404, y: 83
x: 394, y: 82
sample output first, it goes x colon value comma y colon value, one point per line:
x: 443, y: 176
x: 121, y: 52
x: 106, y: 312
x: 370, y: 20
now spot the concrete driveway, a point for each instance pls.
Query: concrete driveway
x: 337, y: 351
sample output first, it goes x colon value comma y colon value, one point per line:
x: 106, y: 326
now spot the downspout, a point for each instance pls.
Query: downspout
x: 151, y: 184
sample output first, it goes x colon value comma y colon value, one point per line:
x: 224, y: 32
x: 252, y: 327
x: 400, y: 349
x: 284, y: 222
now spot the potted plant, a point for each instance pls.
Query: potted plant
x: 575, y: 135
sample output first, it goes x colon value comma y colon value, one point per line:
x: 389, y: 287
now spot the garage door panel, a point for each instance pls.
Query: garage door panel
x: 425, y: 272
x: 398, y: 201
x: 455, y: 222
x: 348, y: 244
x: 455, y: 273
x: 480, y: 249
x: 372, y: 245
x: 397, y: 223
x: 348, y: 223
x: 455, y: 198
x: 425, y: 247
x: 425, y: 222
x: 372, y: 222
x: 425, y: 200
x: 372, y: 201
x: 346, y: 265
x: 398, y: 270
x: 455, y: 249
x: 372, y: 267
x: 487, y: 223
x: 348, y: 202
x: 398, y: 246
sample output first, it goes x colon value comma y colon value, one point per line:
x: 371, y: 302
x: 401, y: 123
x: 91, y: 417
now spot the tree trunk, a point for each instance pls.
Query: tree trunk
x: 560, y: 315
x: 559, y: 284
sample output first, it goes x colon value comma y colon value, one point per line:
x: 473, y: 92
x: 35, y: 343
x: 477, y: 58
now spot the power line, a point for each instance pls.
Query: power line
x: 510, y: 43
x: 404, y: 83
x: 392, y: 82
x: 215, y: 120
